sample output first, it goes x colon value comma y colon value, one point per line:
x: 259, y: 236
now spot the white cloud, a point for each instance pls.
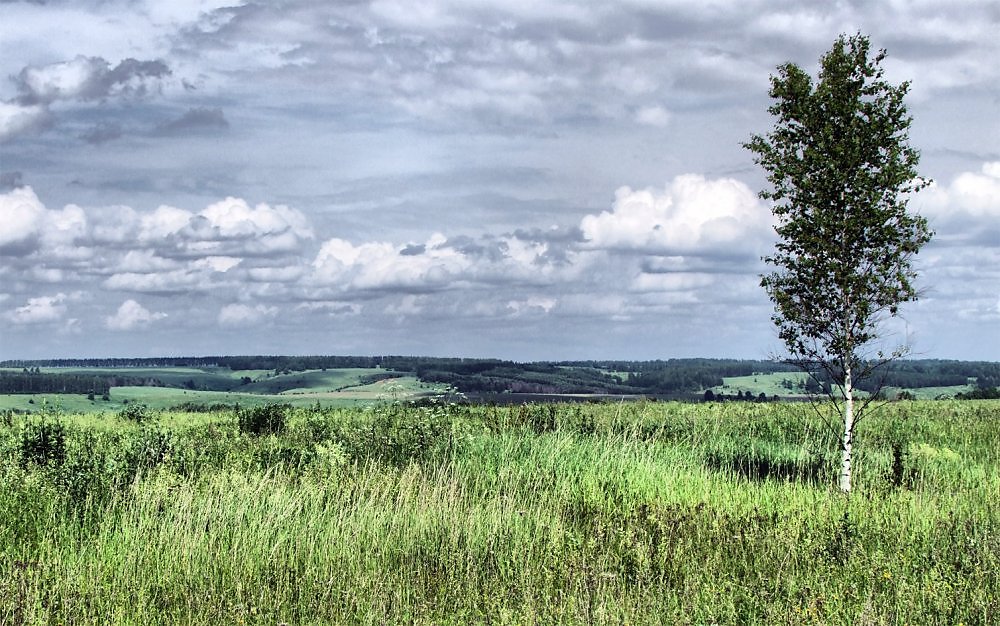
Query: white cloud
x: 131, y: 315
x: 40, y: 310
x: 693, y: 215
x: 242, y: 315
x: 63, y: 81
x: 653, y: 116
x: 332, y: 307
x: 408, y: 305
x: 17, y: 119
x: 163, y: 282
x: 22, y: 215
x: 381, y: 265
x: 232, y: 228
x: 217, y: 263
x: 162, y: 222
x: 438, y: 264
x: 672, y: 282
x: 534, y: 304
x: 967, y: 210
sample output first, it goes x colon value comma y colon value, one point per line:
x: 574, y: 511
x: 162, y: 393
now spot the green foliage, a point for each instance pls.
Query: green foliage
x: 42, y: 442
x: 841, y: 172
x: 135, y: 412
x: 398, y: 435
x: 605, y: 513
x: 268, y: 419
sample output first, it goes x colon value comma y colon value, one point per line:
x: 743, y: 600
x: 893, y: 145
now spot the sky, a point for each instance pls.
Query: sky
x: 527, y: 180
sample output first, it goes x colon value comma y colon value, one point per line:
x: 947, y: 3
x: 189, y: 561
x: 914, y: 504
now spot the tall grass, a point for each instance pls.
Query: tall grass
x: 642, y: 513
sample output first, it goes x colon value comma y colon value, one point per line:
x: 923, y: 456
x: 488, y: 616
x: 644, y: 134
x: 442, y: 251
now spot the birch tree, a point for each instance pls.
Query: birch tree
x: 841, y: 171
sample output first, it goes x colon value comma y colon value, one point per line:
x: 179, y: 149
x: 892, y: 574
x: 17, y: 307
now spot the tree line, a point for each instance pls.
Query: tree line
x: 34, y: 381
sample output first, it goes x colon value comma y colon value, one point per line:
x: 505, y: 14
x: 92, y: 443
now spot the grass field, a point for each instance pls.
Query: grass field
x: 637, y: 513
x: 768, y: 384
x: 212, y: 386
x: 775, y: 385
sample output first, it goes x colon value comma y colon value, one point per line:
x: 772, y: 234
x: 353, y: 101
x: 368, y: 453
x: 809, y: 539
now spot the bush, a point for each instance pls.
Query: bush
x: 269, y: 419
x: 137, y: 413
x: 399, y: 435
x: 43, y: 443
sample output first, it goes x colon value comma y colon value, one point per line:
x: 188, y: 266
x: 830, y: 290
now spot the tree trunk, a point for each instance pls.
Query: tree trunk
x: 845, y: 465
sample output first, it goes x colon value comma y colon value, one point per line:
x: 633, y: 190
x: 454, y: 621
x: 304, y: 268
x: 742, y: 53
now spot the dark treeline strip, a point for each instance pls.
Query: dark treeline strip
x: 34, y: 382
x: 235, y: 363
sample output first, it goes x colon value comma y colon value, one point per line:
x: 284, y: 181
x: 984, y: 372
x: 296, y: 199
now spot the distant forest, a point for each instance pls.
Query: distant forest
x: 671, y: 377
x: 33, y: 381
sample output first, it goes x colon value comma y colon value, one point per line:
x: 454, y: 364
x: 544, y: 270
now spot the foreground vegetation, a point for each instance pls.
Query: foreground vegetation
x: 636, y: 513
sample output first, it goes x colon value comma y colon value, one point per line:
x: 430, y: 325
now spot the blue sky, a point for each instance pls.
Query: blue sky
x: 527, y: 180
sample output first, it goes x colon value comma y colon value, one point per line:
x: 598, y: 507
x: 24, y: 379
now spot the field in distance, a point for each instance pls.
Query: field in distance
x: 108, y: 384
x: 168, y: 387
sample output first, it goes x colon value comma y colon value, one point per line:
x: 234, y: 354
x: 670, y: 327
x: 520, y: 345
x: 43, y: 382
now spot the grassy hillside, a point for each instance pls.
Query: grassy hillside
x: 782, y: 384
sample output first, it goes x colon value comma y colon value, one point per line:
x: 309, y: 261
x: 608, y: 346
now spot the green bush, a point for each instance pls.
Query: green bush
x: 137, y: 413
x: 43, y: 443
x: 399, y: 435
x: 268, y: 419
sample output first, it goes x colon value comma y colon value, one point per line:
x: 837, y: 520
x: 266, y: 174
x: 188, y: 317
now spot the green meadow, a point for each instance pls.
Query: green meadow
x: 394, y: 513
x: 180, y: 387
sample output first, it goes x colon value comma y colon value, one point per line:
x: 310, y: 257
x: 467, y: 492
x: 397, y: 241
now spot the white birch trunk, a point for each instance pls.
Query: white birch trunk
x: 845, y: 466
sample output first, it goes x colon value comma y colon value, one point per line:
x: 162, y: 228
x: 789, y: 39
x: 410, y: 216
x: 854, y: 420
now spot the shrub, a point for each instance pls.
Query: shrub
x: 268, y: 419
x: 43, y: 443
x: 137, y: 413
x: 399, y: 435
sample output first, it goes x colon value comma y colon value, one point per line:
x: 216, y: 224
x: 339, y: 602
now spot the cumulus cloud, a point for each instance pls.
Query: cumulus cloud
x: 692, y: 215
x: 164, y: 251
x: 440, y: 263
x: 241, y: 315
x: 966, y: 210
x: 22, y: 215
x: 131, y: 315
x: 40, y: 310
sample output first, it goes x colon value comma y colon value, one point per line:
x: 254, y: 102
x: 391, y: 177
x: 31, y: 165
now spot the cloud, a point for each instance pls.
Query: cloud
x: 654, y: 256
x: 227, y: 245
x: 82, y: 79
x: 23, y: 216
x: 967, y: 210
x: 172, y: 282
x: 230, y: 227
x: 103, y: 132
x: 440, y: 264
x: 242, y: 315
x: 194, y: 121
x: 691, y: 216
x: 20, y: 119
x: 39, y: 310
x: 532, y: 305
x: 653, y: 116
x: 87, y: 78
x: 131, y: 315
